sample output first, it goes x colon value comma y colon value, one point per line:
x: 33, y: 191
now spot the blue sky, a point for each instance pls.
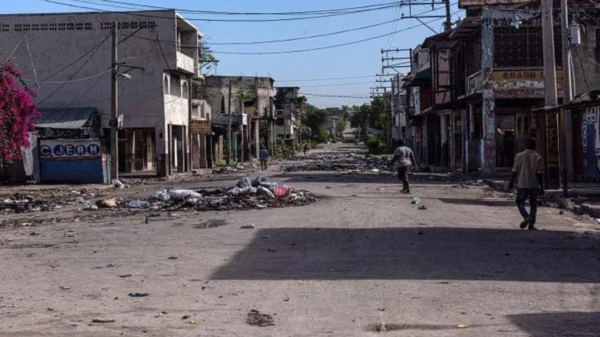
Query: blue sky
x: 362, y: 59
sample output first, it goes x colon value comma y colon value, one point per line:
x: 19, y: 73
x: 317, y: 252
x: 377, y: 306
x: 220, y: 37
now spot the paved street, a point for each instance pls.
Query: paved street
x: 363, y: 261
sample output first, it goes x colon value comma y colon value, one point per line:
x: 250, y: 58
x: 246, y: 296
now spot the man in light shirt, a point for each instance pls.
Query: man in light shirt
x: 529, y: 170
x: 404, y: 159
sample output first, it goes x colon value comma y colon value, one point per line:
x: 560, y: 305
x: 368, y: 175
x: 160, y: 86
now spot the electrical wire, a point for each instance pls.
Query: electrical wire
x: 583, y: 70
x: 334, y: 84
x: 87, y: 91
x: 183, y: 10
x: 324, y: 47
x: 12, y: 52
x: 78, y: 69
x: 70, y: 81
x: 221, y: 20
x: 37, y: 83
x: 77, y: 60
x: 340, y: 96
x: 327, y: 79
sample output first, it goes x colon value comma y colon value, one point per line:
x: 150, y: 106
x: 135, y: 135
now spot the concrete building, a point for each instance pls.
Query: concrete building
x: 476, y: 92
x: 251, y: 101
x: 67, y: 57
x: 290, y: 107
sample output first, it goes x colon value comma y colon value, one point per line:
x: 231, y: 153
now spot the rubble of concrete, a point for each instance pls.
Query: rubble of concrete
x: 246, y: 194
x: 339, y: 162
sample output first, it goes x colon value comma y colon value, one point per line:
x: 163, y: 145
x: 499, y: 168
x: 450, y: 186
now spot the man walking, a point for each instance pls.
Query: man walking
x: 404, y: 159
x: 529, y: 170
x: 264, y: 157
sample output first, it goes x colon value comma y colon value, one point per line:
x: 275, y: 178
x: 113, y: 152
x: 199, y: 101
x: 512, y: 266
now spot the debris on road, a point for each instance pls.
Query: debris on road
x: 339, y: 162
x: 258, y: 319
x: 246, y: 194
x: 103, y: 320
x: 117, y: 183
x: 211, y: 224
x: 138, y: 294
x: 422, y: 207
x: 250, y: 226
x: 107, y: 203
x: 415, y: 200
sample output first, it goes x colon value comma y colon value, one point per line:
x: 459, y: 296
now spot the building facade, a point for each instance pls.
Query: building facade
x: 67, y: 58
x: 290, y: 107
x: 252, y: 100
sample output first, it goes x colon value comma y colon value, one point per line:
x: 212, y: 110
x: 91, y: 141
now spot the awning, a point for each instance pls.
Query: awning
x: 74, y: 118
x: 584, y: 100
x: 421, y: 77
x: 416, y: 121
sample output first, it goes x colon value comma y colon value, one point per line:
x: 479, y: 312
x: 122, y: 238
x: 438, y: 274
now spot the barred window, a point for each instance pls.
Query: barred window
x: 522, y: 47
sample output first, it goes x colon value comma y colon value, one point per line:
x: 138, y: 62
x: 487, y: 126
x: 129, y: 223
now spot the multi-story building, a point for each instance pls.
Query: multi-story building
x: 290, y: 106
x: 484, y: 87
x: 66, y: 57
x: 250, y: 102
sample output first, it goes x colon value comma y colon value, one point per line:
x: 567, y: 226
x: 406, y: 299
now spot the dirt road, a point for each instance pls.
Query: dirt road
x: 363, y: 261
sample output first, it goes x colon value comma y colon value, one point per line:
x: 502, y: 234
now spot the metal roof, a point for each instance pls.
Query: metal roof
x: 74, y: 118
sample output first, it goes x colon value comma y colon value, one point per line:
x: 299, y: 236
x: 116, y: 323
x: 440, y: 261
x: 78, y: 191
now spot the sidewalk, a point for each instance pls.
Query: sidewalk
x: 583, y: 199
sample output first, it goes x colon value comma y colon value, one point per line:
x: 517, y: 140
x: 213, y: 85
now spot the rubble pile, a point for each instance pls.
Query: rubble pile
x: 339, y: 162
x: 237, y: 169
x: 43, y: 201
x: 246, y: 194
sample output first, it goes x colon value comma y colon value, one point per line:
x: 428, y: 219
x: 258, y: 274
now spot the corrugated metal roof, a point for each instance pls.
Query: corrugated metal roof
x: 470, y: 3
x: 65, y: 118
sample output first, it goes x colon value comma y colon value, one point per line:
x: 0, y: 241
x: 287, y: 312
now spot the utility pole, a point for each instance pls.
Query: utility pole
x: 566, y: 131
x: 229, y: 147
x: 114, y: 136
x: 448, y: 23
x: 549, y: 62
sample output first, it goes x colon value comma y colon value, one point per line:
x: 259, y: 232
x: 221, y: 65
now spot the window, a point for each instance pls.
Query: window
x: 44, y: 26
x: 35, y: 26
x: 186, y: 92
x: 70, y: 26
x: 166, y: 85
x: 88, y: 26
x: 62, y: 26
x: 18, y: 27
x: 4, y: 28
x: 523, y: 47
x: 79, y: 26
x: 175, y: 85
x: 53, y: 26
x: 26, y: 27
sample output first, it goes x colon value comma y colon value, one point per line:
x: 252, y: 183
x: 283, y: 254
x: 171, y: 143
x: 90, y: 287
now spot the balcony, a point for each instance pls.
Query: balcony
x: 185, y: 63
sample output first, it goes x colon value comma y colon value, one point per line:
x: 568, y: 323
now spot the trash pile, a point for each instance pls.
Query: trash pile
x: 19, y: 203
x: 339, y: 162
x: 246, y: 194
x: 230, y: 170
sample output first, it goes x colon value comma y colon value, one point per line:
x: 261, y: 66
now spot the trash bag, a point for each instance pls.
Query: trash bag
x: 261, y: 190
x: 244, y: 182
x: 138, y: 204
x: 162, y: 195
x: 270, y: 185
x: 258, y: 180
x: 182, y: 195
x: 282, y: 190
x: 117, y: 183
x: 234, y: 191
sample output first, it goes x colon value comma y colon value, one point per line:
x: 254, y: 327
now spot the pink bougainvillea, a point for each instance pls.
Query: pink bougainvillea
x: 18, y: 113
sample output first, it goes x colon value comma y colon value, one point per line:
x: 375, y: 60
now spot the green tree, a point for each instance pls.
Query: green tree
x: 315, y: 123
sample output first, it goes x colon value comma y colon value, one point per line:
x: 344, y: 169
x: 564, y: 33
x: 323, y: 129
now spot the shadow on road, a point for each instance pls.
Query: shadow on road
x: 478, y: 202
x: 551, y: 324
x: 419, y: 253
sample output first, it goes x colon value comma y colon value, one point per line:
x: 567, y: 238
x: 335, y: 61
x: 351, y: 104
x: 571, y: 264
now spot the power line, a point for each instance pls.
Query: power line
x: 334, y: 85
x: 324, y: 47
x: 70, y: 81
x: 78, y: 69
x: 183, y: 10
x: 178, y: 44
x: 326, y: 79
x: 216, y: 20
x: 340, y: 96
